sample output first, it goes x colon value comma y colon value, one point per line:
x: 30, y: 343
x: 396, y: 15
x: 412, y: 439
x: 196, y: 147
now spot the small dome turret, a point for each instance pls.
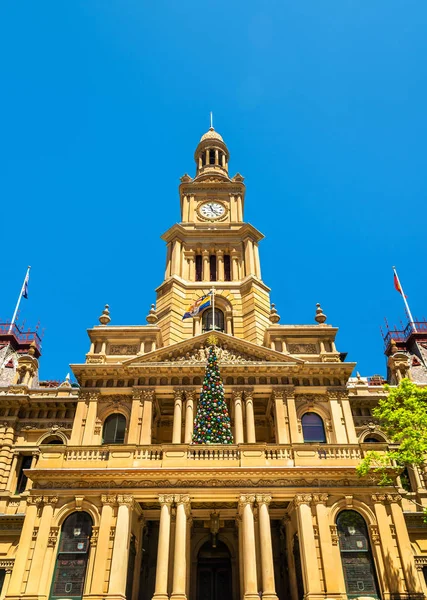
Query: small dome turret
x: 211, y: 155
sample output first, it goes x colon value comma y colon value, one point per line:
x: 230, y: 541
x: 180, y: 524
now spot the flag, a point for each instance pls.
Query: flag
x: 25, y: 286
x: 397, y: 285
x: 199, y: 305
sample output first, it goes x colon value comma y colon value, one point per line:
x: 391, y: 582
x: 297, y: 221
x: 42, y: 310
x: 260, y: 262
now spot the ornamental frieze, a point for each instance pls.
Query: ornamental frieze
x: 224, y: 354
x: 196, y: 483
x: 123, y: 349
x: 302, y: 349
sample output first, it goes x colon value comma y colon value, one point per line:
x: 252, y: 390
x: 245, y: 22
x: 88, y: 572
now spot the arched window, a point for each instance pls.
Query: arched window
x: 73, y: 552
x: 312, y: 428
x: 356, y: 555
x: 207, y: 320
x: 114, y: 429
x: 53, y: 440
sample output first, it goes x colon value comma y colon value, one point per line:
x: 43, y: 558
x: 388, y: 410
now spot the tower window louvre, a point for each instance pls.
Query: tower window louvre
x: 212, y: 263
x: 207, y: 320
x: 227, y: 267
x: 199, y: 267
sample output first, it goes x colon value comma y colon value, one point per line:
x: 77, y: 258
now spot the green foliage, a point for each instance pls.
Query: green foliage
x: 212, y: 422
x: 403, y: 418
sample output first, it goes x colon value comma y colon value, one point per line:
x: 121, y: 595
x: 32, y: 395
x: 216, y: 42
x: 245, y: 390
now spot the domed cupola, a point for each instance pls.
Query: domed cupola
x: 211, y: 155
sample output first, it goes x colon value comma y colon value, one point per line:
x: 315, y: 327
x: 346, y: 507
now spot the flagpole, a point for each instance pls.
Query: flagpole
x: 19, y: 300
x: 411, y: 318
x: 213, y: 308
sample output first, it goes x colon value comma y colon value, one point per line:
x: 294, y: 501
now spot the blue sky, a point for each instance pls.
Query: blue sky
x: 323, y: 108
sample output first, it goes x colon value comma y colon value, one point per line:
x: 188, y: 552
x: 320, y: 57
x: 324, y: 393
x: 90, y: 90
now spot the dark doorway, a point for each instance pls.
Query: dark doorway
x: 214, y: 572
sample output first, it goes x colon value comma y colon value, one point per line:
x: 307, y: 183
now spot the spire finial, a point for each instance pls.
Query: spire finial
x: 320, y: 316
x: 105, y: 318
x: 211, y: 113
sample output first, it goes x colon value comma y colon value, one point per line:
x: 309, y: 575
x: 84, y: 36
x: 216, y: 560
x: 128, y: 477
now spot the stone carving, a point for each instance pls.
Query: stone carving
x: 43, y: 425
x: 94, y: 537
x: 123, y: 349
x: 192, y: 483
x: 302, y: 349
x: 53, y: 537
x: 95, y: 359
x: 320, y: 498
x: 302, y: 499
x: 375, y: 535
x: 334, y: 534
x: 225, y: 356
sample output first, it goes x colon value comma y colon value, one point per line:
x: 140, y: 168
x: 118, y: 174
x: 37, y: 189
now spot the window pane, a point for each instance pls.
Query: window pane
x: 312, y: 428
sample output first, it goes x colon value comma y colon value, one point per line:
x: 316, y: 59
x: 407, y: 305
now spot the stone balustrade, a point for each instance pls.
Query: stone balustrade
x: 184, y: 455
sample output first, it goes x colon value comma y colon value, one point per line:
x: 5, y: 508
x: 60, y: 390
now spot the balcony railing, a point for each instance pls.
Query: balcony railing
x: 206, y: 456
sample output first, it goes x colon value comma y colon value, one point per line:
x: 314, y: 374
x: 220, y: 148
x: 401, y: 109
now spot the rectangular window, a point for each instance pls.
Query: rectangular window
x: 212, y: 264
x: 2, y: 576
x: 227, y: 267
x: 24, y: 463
x: 199, y: 267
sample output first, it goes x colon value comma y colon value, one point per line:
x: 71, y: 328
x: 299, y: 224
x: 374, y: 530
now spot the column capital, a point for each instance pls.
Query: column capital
x: 148, y: 395
x: 89, y: 396
x: 126, y: 500
x: 394, y: 498
x: 185, y: 501
x: 108, y: 500
x: 263, y: 499
x: 236, y: 393
x: 191, y: 394
x: 205, y: 252
x: 379, y: 498
x: 178, y: 393
x: 289, y: 393
x: 166, y: 499
x: 278, y: 394
x: 302, y: 499
x: 219, y: 252
x: 34, y: 500
x: 249, y: 394
x: 246, y: 499
x: 50, y: 500
x: 137, y: 394
x: 320, y: 498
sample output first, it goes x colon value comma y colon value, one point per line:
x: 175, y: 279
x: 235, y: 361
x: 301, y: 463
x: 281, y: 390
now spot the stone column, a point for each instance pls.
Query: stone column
x: 177, y: 417
x: 390, y: 561
x: 180, y: 554
x: 267, y: 565
x: 189, y: 415
x: 337, y: 418
x: 334, y: 577
x: 40, y: 545
x: 413, y: 584
x: 12, y: 473
x: 238, y: 416
x: 206, y: 276
x: 249, y: 552
x: 88, y: 432
x: 250, y: 417
x: 191, y: 266
x: 280, y: 421
x: 147, y: 416
x: 348, y: 419
x: 33, y: 504
x: 176, y: 258
x: 310, y: 565
x: 101, y: 554
x: 162, y: 570
x: 234, y: 267
x: 6, y: 451
x: 241, y: 565
x: 295, y: 435
x: 76, y: 433
x: 120, y: 557
x: 135, y: 418
x: 220, y: 265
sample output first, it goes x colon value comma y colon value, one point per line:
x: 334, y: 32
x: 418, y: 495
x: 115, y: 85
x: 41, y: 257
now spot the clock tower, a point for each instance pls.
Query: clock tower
x: 213, y: 248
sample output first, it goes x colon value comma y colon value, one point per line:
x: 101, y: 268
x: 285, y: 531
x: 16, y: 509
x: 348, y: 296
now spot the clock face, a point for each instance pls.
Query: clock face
x: 212, y: 210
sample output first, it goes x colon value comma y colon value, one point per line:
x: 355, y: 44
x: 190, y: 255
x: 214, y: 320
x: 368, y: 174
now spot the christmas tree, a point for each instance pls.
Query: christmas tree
x: 212, y: 422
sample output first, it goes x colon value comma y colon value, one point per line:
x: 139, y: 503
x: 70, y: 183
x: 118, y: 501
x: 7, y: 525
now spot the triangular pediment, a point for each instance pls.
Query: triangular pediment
x: 230, y: 350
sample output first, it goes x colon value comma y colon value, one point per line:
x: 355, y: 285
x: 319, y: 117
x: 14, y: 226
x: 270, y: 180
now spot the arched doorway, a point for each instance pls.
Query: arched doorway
x: 214, y: 578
